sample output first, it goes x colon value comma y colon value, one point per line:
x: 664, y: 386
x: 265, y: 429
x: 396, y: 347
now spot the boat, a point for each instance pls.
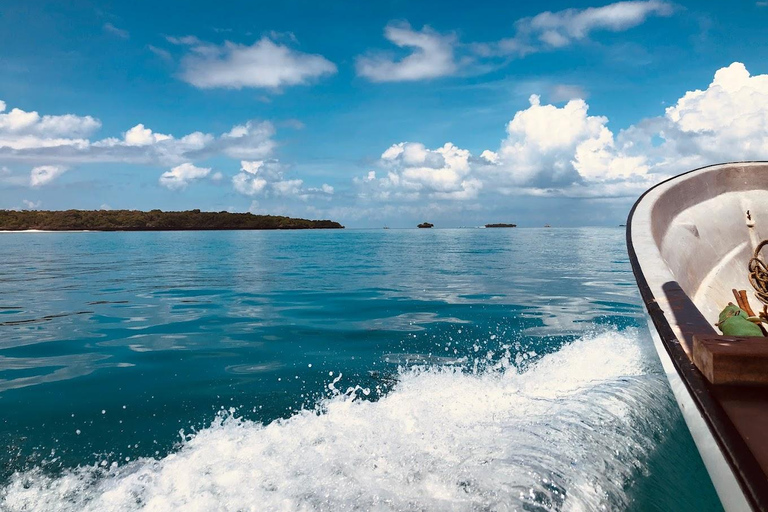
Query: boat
x: 425, y: 225
x: 690, y: 240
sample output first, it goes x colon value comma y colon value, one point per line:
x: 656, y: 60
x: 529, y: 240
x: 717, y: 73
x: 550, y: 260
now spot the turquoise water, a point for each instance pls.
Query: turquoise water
x: 468, y: 369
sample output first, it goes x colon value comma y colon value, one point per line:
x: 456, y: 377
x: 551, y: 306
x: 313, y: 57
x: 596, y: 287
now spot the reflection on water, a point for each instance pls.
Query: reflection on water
x: 112, y: 342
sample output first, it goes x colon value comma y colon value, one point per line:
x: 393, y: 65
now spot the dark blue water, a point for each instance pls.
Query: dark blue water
x: 476, y: 369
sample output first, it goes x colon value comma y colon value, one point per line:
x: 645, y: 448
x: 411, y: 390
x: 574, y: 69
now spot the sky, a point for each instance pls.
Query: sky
x: 375, y: 114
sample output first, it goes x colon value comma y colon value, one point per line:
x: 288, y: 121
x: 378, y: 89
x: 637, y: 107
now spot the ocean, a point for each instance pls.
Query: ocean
x: 415, y: 370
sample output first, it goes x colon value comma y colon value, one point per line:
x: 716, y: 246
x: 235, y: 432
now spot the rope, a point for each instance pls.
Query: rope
x: 758, y: 274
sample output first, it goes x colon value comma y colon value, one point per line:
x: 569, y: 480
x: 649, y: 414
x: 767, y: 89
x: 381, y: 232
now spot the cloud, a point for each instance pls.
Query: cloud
x: 548, y: 150
x: 29, y: 137
x: 727, y: 120
x: 413, y: 172
x: 31, y: 205
x: 564, y: 27
x: 549, y: 146
x: 182, y: 175
x: 264, y: 64
x: 552, y: 151
x: 552, y: 30
x: 141, y: 145
x: 432, y: 56
x: 142, y: 136
x: 184, y: 41
x: 160, y: 52
x: 267, y: 178
x: 44, y: 174
x: 20, y: 129
x: 324, y: 189
x: 257, y: 177
x: 248, y: 182
x: 122, y: 34
x: 250, y: 140
x: 566, y: 151
x: 287, y: 187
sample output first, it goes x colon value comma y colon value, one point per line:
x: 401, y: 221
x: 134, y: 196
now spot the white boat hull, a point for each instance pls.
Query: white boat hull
x: 689, y: 241
x: 725, y: 482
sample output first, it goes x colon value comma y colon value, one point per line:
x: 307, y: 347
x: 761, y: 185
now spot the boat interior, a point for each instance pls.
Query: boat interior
x: 694, y: 239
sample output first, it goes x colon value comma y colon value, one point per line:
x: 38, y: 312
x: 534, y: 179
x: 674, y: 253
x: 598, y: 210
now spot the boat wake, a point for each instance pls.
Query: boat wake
x: 569, y: 432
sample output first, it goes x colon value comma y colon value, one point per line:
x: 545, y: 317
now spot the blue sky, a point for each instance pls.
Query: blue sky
x: 374, y: 114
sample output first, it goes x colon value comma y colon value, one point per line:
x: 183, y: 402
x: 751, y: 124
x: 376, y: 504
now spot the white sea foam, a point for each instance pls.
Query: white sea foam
x: 569, y: 433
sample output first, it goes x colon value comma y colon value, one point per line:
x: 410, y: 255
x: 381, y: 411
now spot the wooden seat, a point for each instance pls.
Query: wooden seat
x: 732, y: 359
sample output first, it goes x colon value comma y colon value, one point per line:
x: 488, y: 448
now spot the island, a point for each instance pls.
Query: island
x: 501, y: 225
x: 425, y: 225
x: 155, y: 220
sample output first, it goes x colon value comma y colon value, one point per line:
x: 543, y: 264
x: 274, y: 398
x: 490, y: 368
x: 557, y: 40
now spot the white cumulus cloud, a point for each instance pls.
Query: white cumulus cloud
x: 141, y: 136
x: 182, y: 175
x: 54, y: 139
x: 44, y: 174
x: 248, y: 181
x: 267, y: 178
x: 20, y: 129
x: 565, y: 151
x: 287, y: 187
x: 252, y: 140
x: 415, y: 172
x: 548, y: 146
x: 264, y: 64
x: 728, y: 120
x: 555, y: 146
x: 432, y: 56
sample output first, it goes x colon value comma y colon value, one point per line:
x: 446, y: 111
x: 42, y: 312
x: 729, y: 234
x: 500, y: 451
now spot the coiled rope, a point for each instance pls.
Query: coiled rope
x: 758, y: 274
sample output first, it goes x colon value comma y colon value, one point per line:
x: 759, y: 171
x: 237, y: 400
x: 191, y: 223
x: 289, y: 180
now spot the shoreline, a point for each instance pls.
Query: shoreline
x: 153, y: 220
x: 45, y: 231
x: 6, y: 231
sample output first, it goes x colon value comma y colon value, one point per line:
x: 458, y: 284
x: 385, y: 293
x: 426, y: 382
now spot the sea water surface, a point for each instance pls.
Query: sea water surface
x: 468, y: 369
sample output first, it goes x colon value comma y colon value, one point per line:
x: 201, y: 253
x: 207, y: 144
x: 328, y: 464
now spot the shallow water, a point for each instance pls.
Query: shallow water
x: 471, y: 369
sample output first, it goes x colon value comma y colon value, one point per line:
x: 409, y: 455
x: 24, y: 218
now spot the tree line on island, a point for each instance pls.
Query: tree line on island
x: 155, y: 220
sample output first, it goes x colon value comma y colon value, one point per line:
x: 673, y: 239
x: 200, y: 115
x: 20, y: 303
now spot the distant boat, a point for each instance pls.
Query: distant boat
x: 690, y: 240
x: 386, y: 227
x: 501, y: 225
x: 425, y: 225
x: 547, y: 226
